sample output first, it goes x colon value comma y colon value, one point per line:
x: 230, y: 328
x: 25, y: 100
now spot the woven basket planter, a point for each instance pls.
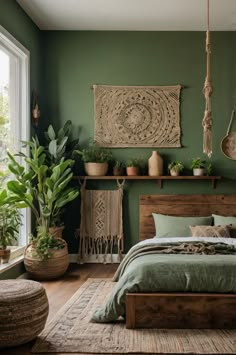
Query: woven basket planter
x: 96, y: 169
x: 23, y: 311
x: 48, y: 269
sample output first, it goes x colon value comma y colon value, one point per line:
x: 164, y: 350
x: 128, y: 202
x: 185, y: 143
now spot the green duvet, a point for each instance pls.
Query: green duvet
x: 148, y: 268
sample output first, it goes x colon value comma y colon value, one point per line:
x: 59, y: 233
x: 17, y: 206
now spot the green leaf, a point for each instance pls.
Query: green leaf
x: 62, y: 145
x: 53, y: 148
x: 70, y: 197
x: 16, y: 188
x: 61, y: 134
x: 67, y: 127
x: 51, y: 132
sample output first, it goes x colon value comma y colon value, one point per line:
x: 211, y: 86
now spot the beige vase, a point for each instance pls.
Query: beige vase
x: 155, y: 164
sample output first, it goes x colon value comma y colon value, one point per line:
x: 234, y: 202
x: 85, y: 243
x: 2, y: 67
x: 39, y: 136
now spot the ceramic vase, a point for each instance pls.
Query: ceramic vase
x: 155, y: 164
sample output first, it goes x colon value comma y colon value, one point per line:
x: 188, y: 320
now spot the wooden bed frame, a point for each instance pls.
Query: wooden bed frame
x: 181, y: 310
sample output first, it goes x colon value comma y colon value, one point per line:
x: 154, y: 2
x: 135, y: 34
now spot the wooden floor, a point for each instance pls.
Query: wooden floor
x: 61, y: 290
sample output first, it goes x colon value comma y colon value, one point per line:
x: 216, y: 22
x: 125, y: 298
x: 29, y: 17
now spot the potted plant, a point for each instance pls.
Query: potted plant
x: 175, y: 168
x: 10, y: 221
x: 200, y: 167
x: 133, y: 166
x: 95, y: 159
x: 59, y: 146
x: 45, y: 191
x: 118, y: 168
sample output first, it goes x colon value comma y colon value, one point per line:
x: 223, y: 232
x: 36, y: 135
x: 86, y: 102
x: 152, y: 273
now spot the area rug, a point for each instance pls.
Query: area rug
x: 71, y: 332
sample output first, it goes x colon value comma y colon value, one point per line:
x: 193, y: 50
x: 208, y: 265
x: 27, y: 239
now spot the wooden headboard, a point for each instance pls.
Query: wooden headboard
x: 181, y: 205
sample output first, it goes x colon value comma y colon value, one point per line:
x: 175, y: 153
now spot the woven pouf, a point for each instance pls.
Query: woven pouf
x: 23, y: 311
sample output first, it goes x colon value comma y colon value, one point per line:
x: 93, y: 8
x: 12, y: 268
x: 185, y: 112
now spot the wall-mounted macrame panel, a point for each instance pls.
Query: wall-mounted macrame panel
x: 137, y: 116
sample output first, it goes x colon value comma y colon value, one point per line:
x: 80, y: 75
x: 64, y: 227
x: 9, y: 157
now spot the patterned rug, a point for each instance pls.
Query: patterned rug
x: 71, y: 332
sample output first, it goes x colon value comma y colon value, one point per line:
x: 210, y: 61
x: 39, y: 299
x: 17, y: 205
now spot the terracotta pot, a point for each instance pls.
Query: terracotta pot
x: 48, y: 269
x: 4, y: 256
x: 132, y: 170
x: 96, y: 169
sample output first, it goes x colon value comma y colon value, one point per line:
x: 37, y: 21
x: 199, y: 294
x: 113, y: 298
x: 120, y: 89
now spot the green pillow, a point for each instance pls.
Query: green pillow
x: 171, y: 226
x: 223, y: 220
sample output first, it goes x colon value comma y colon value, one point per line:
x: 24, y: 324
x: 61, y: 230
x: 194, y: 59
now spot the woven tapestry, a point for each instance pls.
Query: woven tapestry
x: 101, y: 227
x: 137, y: 116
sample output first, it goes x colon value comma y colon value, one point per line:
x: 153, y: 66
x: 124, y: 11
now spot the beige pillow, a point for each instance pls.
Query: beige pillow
x: 211, y: 231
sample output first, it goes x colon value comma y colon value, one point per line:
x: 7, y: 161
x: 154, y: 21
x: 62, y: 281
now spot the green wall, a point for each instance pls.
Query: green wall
x: 74, y: 61
x: 65, y: 64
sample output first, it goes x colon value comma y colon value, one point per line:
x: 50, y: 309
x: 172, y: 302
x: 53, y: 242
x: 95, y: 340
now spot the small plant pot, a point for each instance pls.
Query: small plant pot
x: 174, y: 172
x: 4, y: 256
x: 96, y: 169
x: 132, y: 171
x: 118, y: 171
x: 198, y: 172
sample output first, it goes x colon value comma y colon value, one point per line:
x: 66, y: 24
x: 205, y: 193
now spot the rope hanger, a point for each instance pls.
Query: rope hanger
x: 207, y: 92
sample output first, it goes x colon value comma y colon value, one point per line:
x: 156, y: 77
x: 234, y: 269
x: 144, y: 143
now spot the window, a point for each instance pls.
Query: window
x: 14, y: 107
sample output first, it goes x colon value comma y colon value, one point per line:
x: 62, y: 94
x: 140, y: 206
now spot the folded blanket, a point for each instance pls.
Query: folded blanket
x: 188, y: 247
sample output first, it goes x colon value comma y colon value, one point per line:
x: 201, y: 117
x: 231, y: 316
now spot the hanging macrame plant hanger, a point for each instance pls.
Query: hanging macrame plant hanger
x: 207, y: 92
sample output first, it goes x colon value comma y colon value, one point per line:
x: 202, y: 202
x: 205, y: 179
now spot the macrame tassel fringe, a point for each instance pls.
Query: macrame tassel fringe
x: 207, y: 135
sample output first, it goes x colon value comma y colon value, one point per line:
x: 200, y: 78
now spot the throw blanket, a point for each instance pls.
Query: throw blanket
x: 203, y: 247
x: 161, y: 265
x: 101, y: 228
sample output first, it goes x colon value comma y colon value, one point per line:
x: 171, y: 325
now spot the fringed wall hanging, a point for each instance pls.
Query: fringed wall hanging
x: 207, y: 91
x: 137, y: 116
x: 101, y: 227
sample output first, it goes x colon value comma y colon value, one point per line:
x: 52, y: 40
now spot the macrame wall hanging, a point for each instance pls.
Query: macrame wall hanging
x: 207, y: 91
x: 101, y: 227
x: 137, y: 116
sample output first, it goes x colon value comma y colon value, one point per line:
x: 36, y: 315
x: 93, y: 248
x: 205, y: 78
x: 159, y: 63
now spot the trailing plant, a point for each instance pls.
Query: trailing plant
x: 95, y: 154
x: 44, y: 243
x: 176, y: 165
x: 44, y: 189
x: 199, y: 163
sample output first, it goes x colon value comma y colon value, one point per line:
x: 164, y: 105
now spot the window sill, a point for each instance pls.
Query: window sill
x: 17, y: 256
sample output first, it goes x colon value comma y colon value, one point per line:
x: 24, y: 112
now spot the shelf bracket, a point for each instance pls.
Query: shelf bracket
x: 160, y: 183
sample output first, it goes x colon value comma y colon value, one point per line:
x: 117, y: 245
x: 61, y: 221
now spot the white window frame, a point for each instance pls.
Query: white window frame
x: 20, y: 93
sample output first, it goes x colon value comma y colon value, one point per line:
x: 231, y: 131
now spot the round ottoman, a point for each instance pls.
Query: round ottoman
x: 23, y: 311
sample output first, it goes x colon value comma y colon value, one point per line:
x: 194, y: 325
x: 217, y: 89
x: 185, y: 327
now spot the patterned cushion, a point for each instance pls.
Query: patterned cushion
x: 225, y: 220
x: 211, y: 231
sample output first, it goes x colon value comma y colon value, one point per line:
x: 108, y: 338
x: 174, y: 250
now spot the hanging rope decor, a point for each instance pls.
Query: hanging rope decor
x: 207, y: 91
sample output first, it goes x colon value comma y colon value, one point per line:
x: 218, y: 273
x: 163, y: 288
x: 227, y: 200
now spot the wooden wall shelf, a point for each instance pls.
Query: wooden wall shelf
x: 159, y: 179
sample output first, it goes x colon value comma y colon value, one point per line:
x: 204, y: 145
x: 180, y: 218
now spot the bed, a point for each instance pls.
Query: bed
x: 171, y: 308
